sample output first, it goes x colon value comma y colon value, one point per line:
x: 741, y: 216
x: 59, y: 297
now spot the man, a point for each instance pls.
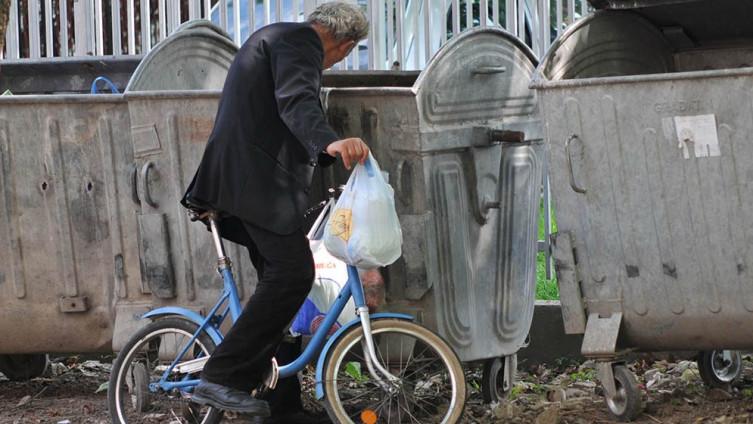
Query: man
x: 269, y: 134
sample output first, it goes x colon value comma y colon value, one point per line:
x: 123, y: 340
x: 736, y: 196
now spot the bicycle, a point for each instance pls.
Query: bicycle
x: 380, y: 367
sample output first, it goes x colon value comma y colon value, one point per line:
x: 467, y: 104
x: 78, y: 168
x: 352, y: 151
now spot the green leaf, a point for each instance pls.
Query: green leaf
x: 353, y: 369
x: 102, y: 387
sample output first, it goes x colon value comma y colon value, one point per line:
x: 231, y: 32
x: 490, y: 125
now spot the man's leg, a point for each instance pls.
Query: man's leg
x: 241, y: 360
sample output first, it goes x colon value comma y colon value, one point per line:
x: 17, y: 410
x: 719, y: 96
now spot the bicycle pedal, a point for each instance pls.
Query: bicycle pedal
x: 270, y: 380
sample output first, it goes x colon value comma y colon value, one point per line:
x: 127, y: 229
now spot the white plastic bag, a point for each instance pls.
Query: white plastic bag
x: 363, y: 229
x: 331, y: 277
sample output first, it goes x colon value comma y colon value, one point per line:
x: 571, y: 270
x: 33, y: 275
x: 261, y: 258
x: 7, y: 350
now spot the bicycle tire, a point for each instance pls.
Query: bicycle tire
x: 343, y: 349
x: 117, y: 399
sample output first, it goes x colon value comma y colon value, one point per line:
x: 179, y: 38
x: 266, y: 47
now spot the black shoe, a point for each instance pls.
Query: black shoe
x: 298, y: 417
x: 229, y: 399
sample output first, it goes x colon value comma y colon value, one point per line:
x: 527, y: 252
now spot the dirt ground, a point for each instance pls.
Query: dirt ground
x: 73, y: 392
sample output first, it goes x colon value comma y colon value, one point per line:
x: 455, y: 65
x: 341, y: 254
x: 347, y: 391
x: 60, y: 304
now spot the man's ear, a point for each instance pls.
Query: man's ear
x: 346, y: 46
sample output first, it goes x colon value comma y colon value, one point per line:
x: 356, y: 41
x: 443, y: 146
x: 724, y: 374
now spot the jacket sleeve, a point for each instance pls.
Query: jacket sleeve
x: 296, y: 64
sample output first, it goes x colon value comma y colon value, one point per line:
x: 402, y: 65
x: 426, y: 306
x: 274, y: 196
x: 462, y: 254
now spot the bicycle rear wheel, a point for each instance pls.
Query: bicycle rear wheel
x: 431, y: 387
x: 142, y: 362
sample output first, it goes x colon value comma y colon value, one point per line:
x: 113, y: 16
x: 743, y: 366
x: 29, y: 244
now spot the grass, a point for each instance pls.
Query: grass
x: 545, y: 289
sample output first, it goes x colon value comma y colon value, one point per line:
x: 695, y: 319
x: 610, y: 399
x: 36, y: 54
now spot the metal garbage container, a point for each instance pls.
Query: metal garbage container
x: 651, y: 174
x: 81, y: 182
x: 172, y: 101
x: 461, y: 142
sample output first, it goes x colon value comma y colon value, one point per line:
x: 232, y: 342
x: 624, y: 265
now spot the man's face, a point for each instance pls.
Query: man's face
x: 337, y: 53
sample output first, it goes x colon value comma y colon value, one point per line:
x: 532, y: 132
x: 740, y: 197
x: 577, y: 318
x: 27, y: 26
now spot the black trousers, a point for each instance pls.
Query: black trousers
x: 285, y: 266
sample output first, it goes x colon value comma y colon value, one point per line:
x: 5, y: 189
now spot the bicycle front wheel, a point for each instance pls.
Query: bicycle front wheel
x: 431, y: 387
x: 132, y: 393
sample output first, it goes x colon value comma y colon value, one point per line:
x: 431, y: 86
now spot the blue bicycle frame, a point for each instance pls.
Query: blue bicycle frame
x: 232, y: 306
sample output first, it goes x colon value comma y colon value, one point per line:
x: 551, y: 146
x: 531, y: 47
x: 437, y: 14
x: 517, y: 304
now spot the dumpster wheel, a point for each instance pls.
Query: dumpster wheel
x: 625, y: 405
x: 23, y: 367
x: 493, y: 380
x: 719, y: 368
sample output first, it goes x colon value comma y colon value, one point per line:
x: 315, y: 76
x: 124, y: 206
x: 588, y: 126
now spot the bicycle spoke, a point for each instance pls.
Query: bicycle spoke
x: 423, y: 367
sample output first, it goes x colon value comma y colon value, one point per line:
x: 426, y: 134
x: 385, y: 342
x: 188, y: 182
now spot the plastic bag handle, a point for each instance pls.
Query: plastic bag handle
x: 369, y: 166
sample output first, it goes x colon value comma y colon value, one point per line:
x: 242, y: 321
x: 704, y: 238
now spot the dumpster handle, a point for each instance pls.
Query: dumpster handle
x: 134, y: 185
x: 145, y: 181
x: 486, y: 70
x: 573, y: 184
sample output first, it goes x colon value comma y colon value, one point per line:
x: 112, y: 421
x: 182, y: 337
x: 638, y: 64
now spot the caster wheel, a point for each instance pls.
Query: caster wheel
x: 625, y: 405
x: 23, y: 367
x: 493, y: 380
x: 138, y: 385
x: 719, y: 368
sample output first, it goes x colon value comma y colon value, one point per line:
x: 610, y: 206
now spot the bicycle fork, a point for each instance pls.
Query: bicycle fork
x: 372, y: 362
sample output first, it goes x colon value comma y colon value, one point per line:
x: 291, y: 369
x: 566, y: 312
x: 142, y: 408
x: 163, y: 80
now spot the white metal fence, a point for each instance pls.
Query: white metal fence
x: 404, y: 34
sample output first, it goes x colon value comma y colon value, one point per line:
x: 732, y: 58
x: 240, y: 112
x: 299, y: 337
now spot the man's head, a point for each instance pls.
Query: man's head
x: 340, y: 26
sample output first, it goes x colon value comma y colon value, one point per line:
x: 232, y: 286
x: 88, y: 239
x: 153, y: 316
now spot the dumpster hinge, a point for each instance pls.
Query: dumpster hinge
x: 600, y: 339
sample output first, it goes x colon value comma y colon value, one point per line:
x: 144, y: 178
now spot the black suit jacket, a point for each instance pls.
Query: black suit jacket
x: 270, y: 131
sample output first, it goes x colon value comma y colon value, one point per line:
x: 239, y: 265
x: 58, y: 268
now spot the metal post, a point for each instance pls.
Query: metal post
x: 115, y: 22
x: 63, y: 36
x: 558, y: 14
x: 237, y: 22
x: 99, y: 28
x: 521, y: 10
x: 455, y: 17
x: 570, y: 11
x: 267, y: 13
x: 468, y: 14
x: 33, y: 16
x: 146, y: 34
x: 390, y: 51
x: 427, y: 32
x: 131, y: 17
x: 11, y: 33
x: 278, y: 11
x: 162, y: 19
x: 174, y: 15
x: 251, y: 16
x: 416, y: 5
x: 308, y: 7
x: 208, y: 9
x: 223, y: 14
x: 371, y: 9
x: 484, y: 13
x: 443, y: 24
x: 495, y: 12
x: 511, y: 16
x: 48, y: 36
x: 193, y: 9
x: 546, y: 31
x: 547, y: 194
x: 399, y: 15
x: 381, y: 45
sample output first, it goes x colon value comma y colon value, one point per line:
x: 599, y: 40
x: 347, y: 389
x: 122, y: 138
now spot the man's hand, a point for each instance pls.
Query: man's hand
x: 350, y: 149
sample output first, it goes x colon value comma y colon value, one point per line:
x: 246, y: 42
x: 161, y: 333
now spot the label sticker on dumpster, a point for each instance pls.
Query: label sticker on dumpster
x: 697, y: 134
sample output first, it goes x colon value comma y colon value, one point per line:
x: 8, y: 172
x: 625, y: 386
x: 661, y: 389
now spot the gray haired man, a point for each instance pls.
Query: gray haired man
x: 269, y: 134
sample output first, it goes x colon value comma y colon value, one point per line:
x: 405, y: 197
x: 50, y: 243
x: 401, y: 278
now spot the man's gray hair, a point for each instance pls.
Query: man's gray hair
x: 343, y: 21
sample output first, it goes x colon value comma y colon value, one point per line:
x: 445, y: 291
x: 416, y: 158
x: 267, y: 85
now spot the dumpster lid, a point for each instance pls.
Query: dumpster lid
x: 195, y: 58
x: 690, y: 24
x: 480, y: 75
